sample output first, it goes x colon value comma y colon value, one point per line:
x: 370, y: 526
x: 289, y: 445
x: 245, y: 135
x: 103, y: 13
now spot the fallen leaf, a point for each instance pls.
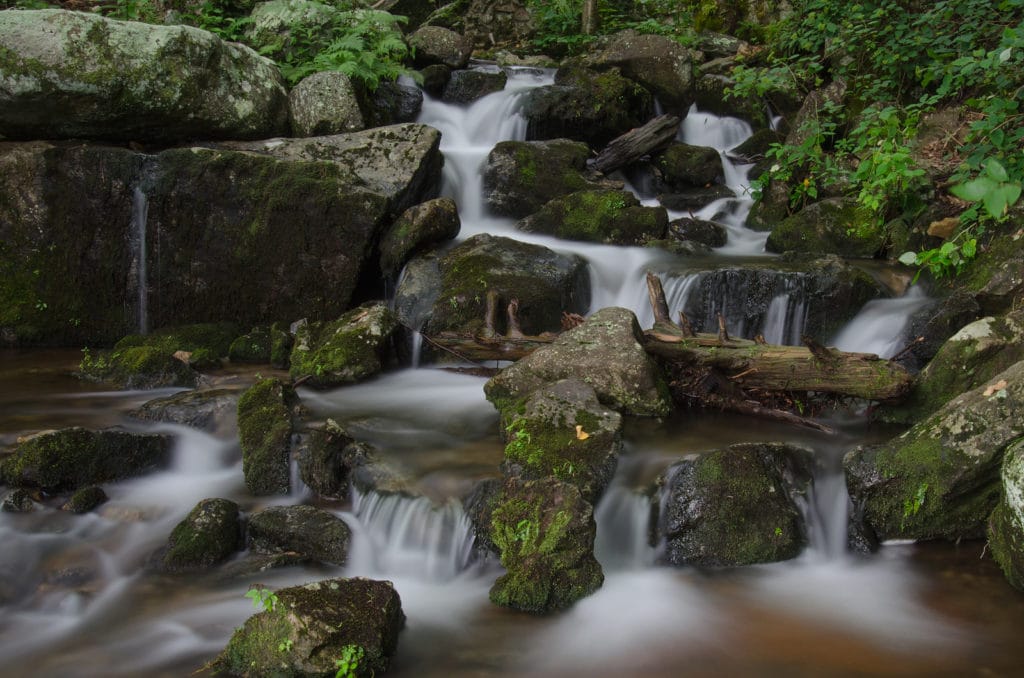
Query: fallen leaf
x: 580, y: 433
x: 995, y: 388
x: 183, y: 356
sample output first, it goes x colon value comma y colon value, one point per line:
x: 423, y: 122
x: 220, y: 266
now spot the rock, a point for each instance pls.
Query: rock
x: 70, y: 458
x: 694, y: 199
x: 490, y: 23
x: 736, y: 506
x: 833, y: 226
x: 138, y: 367
x: 465, y: 87
x: 317, y: 624
x: 81, y: 75
x: 545, y: 531
x: 251, y: 564
x: 348, y: 350
x: 417, y: 229
x: 709, y: 233
x: 324, y: 103
x: 565, y: 433
x: 685, y: 167
x: 606, y: 352
x: 937, y: 322
x: 280, y: 28
x: 18, y: 501
x: 265, y: 432
x: 609, y: 217
x: 309, y: 531
x: 1006, y: 526
x: 661, y: 65
x: 418, y: 290
x: 436, y: 45
x: 435, y: 79
x: 756, y: 145
x: 85, y: 500
x: 371, y: 473
x: 711, y: 92
x: 210, y: 534
x: 820, y: 106
x: 520, y: 176
x: 940, y: 479
x: 545, y: 283
x: 996, y: 276
x: 585, y: 105
x: 478, y: 505
x: 325, y: 460
x: 253, y: 347
x: 390, y: 104
x: 207, y: 410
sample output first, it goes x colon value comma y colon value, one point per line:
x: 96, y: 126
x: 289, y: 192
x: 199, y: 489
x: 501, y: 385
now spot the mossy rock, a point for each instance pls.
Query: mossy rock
x: 416, y: 229
x: 353, y: 348
x: 210, y: 534
x: 18, y: 501
x: 684, y: 166
x: 438, y: 45
x: 213, y: 339
x: 253, y: 347
x: 702, y: 231
x: 317, y: 624
x: 324, y: 103
x: 544, y: 531
x: 940, y: 479
x: 520, y: 176
x: 737, y: 506
x: 85, y: 500
x: 996, y: 276
x: 70, y: 458
x: 265, y: 425
x: 309, y: 531
x: 833, y: 226
x: 207, y: 410
x: 602, y: 216
x: 324, y: 459
x: 138, y: 367
x: 1006, y: 526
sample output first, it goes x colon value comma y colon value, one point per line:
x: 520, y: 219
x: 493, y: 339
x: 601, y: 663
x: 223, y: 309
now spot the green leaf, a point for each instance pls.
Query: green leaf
x: 975, y: 190
x: 1005, y: 55
x: 996, y: 170
x: 908, y: 258
x: 970, y: 248
x: 998, y: 201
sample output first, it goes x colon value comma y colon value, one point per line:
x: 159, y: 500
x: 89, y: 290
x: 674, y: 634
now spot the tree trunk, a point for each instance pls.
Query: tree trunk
x: 636, y: 143
x: 591, y: 18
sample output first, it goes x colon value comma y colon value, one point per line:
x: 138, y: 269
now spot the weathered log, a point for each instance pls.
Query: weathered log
x: 482, y: 349
x: 656, y: 294
x: 636, y: 143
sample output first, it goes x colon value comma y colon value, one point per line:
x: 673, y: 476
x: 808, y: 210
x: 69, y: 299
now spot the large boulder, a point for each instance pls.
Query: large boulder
x: 546, y: 283
x: 392, y: 103
x: 606, y: 352
x: 210, y: 534
x: 307, y: 530
x: 262, y: 345
x: 736, y: 506
x: 437, y: 45
x: 265, y: 426
x: 70, y: 458
x: 544, y: 531
x: 137, y: 367
x: 940, y: 479
x: 354, y: 347
x: 466, y: 86
x: 1006, y: 526
x: 833, y: 226
x: 306, y: 629
x: 603, y: 216
x: 996, y: 276
x: 207, y: 410
x: 324, y: 103
x: 81, y: 75
x: 684, y: 166
x: 417, y: 229
x: 520, y: 176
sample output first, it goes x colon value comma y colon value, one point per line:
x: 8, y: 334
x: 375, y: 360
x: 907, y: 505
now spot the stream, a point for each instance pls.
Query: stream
x: 77, y: 600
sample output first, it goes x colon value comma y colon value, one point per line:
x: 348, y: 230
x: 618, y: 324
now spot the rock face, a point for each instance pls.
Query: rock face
x: 610, y: 217
x: 208, y: 535
x: 940, y: 479
x: 502, y: 22
x: 324, y: 103
x: 465, y: 87
x: 520, y: 176
x: 606, y: 353
x: 350, y: 349
x: 735, y: 506
x: 1006, y: 526
x: 436, y: 45
x: 419, y: 227
x: 265, y: 432
x: 325, y: 621
x: 306, y: 530
x: 208, y: 410
x: 833, y: 226
x: 544, y: 531
x: 80, y: 75
x: 65, y: 460
x: 544, y: 282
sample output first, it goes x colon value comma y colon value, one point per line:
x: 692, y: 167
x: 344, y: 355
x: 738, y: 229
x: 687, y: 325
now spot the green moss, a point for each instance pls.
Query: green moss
x: 253, y: 347
x: 208, y: 535
x: 138, y: 367
x: 345, y: 351
x: 264, y: 429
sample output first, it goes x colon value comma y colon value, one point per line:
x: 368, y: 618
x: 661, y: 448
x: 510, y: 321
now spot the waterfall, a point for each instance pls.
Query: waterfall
x: 880, y: 326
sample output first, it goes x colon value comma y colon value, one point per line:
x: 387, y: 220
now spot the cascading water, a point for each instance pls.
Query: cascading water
x: 140, y: 212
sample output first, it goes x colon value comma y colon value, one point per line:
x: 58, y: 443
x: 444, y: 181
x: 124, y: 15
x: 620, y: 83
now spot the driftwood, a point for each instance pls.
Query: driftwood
x: 636, y: 143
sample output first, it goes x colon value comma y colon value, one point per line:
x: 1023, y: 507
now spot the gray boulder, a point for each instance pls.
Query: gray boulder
x: 520, y: 176
x: 1006, y: 526
x: 210, y: 534
x: 206, y: 410
x: 311, y: 532
x: 467, y: 86
x: 418, y: 228
x: 684, y: 166
x: 324, y: 103
x: 81, y: 75
x: 708, y: 233
x: 352, y: 348
x: 437, y: 45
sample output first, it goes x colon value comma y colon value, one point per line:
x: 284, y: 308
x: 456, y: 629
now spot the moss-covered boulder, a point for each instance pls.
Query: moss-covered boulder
x: 940, y: 479
x: 309, y: 531
x: 318, y: 624
x: 265, y: 425
x: 712, y: 93
x: 520, y: 176
x: 324, y: 103
x: 352, y: 348
x: 996, y: 276
x: 606, y: 352
x: 210, y: 534
x: 736, y: 506
x: 610, y: 217
x: 1006, y: 526
x: 138, y: 367
x: 466, y: 86
x: 326, y: 454
x: 970, y: 358
x: 562, y: 431
x: 206, y: 343
x: 85, y: 500
x: 70, y: 458
x: 684, y: 166
x: 252, y: 347
x: 81, y: 75
x: 545, y: 282
x: 417, y: 229
x: 437, y: 45
x: 544, y: 531
x: 832, y: 226
x: 208, y: 410
x: 586, y: 105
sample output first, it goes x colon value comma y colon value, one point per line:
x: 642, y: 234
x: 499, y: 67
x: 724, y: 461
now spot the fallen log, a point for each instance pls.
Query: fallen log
x: 636, y: 143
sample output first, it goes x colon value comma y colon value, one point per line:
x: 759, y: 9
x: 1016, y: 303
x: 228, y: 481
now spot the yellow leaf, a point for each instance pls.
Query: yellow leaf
x: 580, y: 433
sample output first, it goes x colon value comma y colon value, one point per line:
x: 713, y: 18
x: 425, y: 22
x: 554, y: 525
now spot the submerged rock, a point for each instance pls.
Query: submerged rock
x: 309, y: 627
x: 1006, y: 526
x: 520, y: 176
x: 265, y: 425
x: 544, y: 531
x: 207, y: 536
x: 209, y: 410
x: 940, y: 479
x: 81, y: 75
x: 311, y: 532
x: 736, y: 506
x: 70, y: 458
x: 348, y: 350
x: 603, y: 216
